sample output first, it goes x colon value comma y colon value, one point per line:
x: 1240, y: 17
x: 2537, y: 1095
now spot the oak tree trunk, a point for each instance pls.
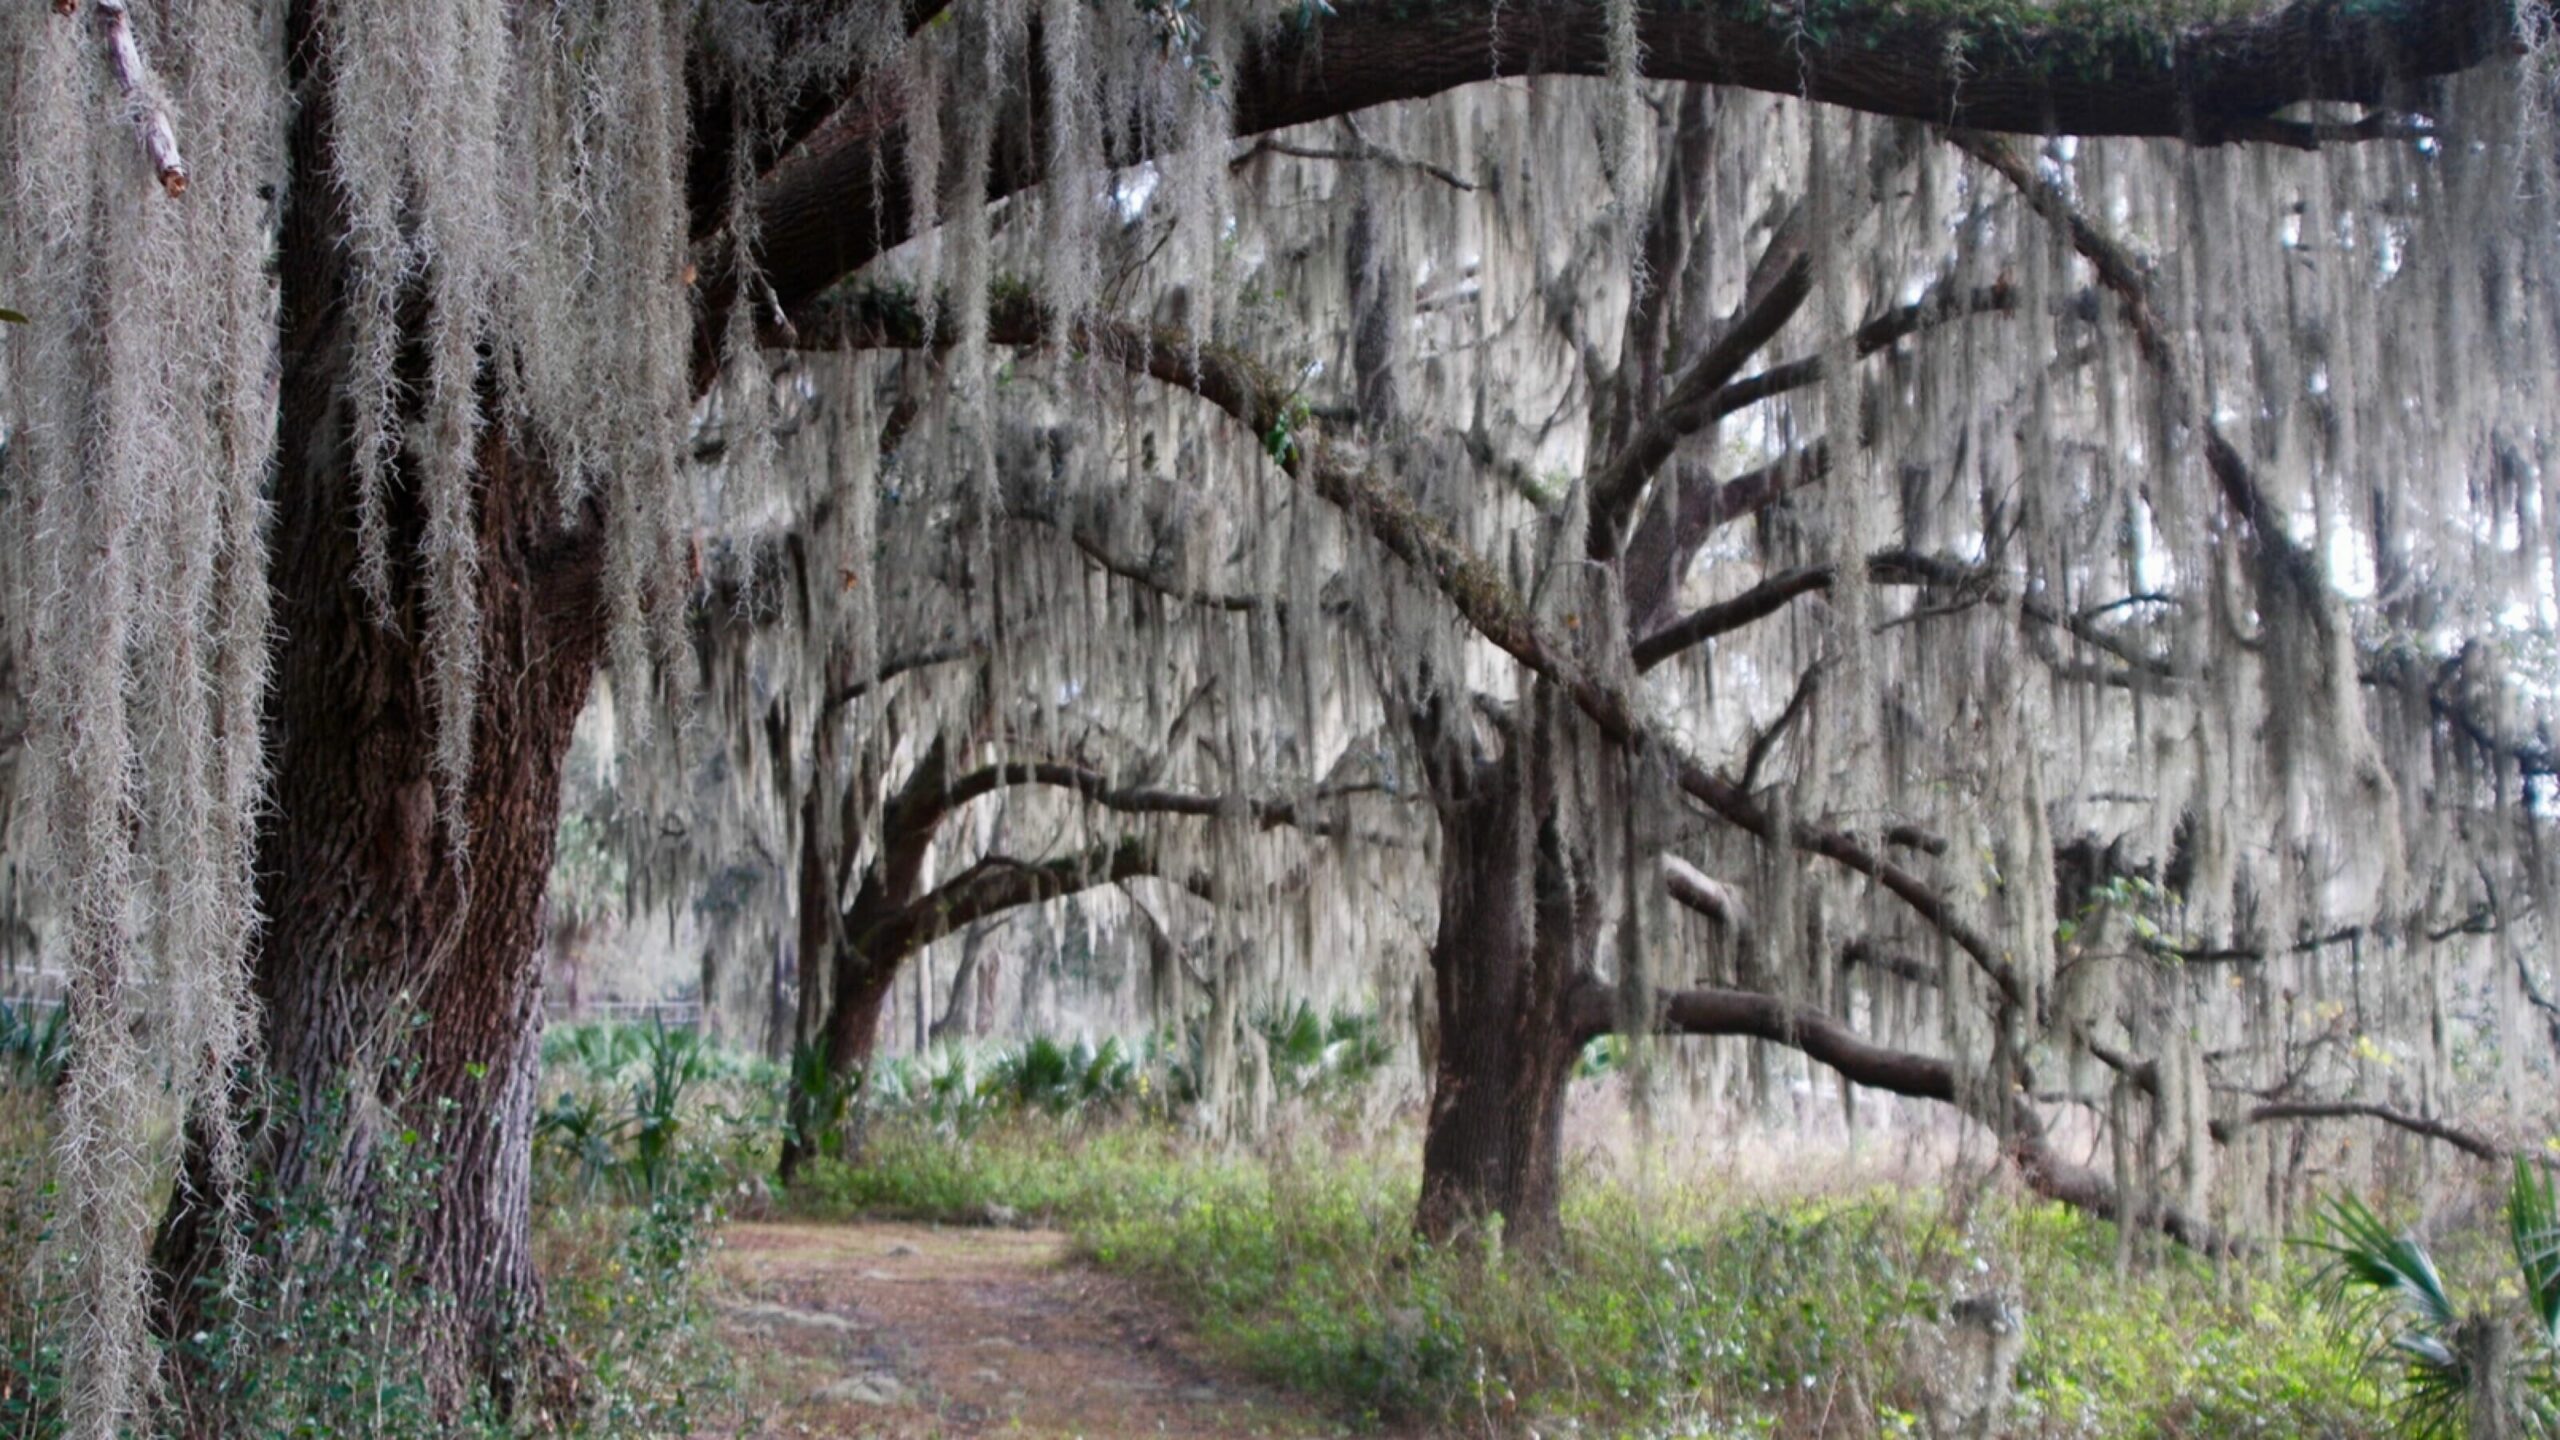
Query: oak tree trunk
x: 1516, y: 921
x: 398, y: 978
x: 859, y: 992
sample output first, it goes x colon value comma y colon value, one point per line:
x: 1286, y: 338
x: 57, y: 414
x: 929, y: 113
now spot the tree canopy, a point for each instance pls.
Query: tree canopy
x: 2003, y: 549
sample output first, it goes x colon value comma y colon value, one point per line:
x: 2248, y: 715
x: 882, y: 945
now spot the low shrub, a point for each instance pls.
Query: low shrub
x: 313, y: 1332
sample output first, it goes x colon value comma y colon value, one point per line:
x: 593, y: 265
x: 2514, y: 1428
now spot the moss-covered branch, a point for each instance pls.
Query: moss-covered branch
x: 2208, y: 71
x: 1252, y: 394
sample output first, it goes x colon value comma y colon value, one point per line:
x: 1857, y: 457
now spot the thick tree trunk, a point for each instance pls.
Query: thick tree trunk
x: 1507, y: 967
x: 853, y: 1026
x: 400, y: 980
x: 861, y: 991
x: 860, y: 965
x: 815, y: 941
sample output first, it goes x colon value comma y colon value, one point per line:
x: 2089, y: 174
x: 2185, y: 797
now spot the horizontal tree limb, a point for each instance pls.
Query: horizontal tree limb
x: 897, y: 665
x: 1099, y: 789
x: 1822, y: 1037
x: 996, y: 884
x: 2091, y: 69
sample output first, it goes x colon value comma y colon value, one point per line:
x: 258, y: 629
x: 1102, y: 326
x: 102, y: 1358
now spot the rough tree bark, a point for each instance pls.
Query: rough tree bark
x: 398, y: 978
x: 841, y: 953
x: 827, y: 210
x: 1517, y: 919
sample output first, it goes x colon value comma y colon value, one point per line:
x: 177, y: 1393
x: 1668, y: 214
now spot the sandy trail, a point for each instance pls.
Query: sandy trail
x: 897, y: 1330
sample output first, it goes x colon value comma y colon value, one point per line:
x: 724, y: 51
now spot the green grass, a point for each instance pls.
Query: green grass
x: 1667, y: 1314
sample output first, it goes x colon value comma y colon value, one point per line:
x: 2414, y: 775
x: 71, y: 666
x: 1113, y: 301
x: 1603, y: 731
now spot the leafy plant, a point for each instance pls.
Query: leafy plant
x: 672, y: 1064
x: 818, y: 1100
x: 34, y: 1044
x: 675, y: 1064
x: 1061, y: 1078
x: 2460, y: 1371
x: 1179, y: 34
x: 1281, y: 440
x: 1604, y: 1054
x: 577, y: 1124
x: 600, y: 1050
x: 1309, y: 1052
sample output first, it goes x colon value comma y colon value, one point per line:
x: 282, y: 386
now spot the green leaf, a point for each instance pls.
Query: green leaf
x: 12, y: 316
x: 2533, y: 1227
x: 2369, y: 1262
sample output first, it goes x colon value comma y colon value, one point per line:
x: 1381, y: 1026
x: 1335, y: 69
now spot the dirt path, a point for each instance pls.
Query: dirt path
x: 914, y: 1331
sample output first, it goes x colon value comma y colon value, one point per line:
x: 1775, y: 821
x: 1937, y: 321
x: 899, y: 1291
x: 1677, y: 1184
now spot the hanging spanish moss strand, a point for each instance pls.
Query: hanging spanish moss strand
x: 1620, y: 155
x: 141, y: 418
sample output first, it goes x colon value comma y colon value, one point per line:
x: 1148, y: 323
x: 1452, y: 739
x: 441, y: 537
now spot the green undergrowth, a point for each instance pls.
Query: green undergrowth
x: 1666, y: 1313
x: 318, y: 1333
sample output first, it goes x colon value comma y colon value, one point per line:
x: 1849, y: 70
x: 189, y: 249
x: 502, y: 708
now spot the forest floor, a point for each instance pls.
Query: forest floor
x: 919, y: 1332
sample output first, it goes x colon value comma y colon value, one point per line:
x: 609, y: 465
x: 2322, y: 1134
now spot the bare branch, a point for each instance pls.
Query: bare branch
x: 1781, y: 281
x: 2144, y: 1075
x: 1766, y: 742
x: 2121, y: 273
x: 1701, y: 892
x: 1832, y: 1042
x: 1686, y: 512
x: 2468, y: 1142
x: 1361, y: 149
x: 1256, y: 397
x: 997, y: 884
x: 133, y: 82
x: 2481, y: 920
x: 1726, y: 616
x: 1976, y: 583
x: 1887, y: 329
x: 897, y: 665
x: 825, y: 215
x: 927, y: 807
x: 1902, y: 967
x: 2458, y: 711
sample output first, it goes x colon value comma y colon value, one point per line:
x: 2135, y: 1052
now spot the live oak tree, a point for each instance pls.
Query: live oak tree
x: 1974, y: 981
x: 349, y: 437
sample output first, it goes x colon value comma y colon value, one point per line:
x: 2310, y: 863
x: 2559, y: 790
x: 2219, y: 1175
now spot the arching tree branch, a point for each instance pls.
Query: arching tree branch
x: 929, y: 807
x: 2479, y: 1147
x: 897, y: 665
x: 1255, y: 396
x: 997, y: 884
x: 1832, y: 1042
x: 2091, y: 70
x: 1886, y: 329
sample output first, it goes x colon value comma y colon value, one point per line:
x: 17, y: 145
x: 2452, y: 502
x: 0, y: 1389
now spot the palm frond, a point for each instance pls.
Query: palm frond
x: 2533, y: 1227
x: 2370, y: 1263
x: 2435, y: 1403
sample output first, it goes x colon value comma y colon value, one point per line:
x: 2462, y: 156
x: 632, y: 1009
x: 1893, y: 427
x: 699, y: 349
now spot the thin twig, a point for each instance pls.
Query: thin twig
x: 1353, y: 154
x: 159, y: 140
